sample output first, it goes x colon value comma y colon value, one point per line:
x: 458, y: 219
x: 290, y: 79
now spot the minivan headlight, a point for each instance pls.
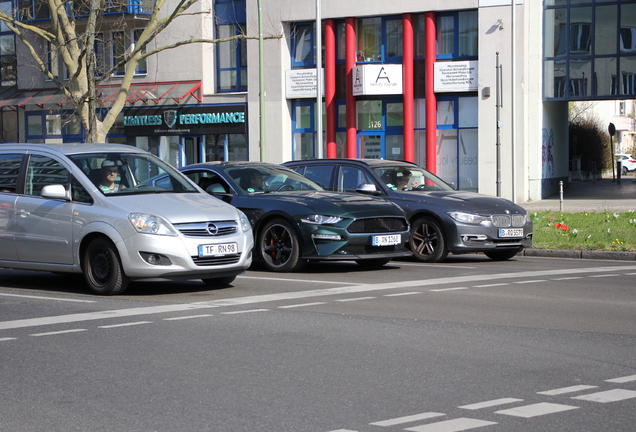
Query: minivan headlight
x: 469, y: 218
x: 321, y: 219
x: 245, y: 223
x: 150, y: 224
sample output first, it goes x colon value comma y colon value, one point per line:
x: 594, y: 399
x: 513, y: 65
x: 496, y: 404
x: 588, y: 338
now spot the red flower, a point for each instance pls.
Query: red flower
x: 564, y: 227
x: 557, y: 225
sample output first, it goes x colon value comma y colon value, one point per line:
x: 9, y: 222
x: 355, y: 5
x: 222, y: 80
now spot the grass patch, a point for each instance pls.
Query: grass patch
x: 585, y: 230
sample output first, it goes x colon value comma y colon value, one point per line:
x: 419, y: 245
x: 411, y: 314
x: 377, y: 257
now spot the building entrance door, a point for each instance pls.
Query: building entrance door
x: 370, y: 144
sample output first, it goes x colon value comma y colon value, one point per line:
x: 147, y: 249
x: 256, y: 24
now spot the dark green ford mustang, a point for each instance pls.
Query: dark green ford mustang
x: 295, y: 220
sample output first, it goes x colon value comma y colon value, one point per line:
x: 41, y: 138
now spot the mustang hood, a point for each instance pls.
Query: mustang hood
x: 340, y: 204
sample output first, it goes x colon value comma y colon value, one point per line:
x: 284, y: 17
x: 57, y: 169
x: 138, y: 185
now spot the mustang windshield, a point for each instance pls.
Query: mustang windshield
x: 407, y: 178
x: 262, y: 179
x: 128, y: 173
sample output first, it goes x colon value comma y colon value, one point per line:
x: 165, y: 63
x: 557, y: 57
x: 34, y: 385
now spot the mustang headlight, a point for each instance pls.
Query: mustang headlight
x: 321, y: 219
x: 468, y: 218
x: 245, y: 223
x: 150, y: 224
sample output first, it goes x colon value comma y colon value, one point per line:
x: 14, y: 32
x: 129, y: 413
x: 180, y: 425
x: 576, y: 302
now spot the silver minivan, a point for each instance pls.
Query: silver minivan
x: 92, y: 209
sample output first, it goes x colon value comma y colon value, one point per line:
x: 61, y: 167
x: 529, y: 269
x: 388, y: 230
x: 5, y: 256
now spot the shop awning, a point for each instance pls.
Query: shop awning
x: 139, y: 94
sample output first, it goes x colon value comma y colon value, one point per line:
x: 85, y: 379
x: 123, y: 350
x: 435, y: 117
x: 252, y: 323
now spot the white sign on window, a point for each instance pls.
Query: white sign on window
x: 377, y: 79
x: 456, y: 76
x: 301, y: 83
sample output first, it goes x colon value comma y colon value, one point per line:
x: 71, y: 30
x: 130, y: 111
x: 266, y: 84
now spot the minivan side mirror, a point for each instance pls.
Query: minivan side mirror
x: 368, y: 189
x: 54, y: 191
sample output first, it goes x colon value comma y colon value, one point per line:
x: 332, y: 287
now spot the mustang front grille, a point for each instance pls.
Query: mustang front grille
x: 378, y: 225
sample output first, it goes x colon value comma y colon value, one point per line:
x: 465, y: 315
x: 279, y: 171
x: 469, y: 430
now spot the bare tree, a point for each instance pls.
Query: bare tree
x: 71, y: 34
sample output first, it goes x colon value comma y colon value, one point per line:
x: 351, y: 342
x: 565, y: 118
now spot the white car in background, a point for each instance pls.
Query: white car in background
x: 84, y: 208
x: 628, y: 162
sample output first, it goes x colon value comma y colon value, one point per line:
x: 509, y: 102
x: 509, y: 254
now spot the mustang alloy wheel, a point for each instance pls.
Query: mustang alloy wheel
x: 279, y: 248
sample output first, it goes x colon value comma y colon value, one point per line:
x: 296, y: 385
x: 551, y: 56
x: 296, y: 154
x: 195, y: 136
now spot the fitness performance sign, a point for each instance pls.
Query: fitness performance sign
x: 212, y: 119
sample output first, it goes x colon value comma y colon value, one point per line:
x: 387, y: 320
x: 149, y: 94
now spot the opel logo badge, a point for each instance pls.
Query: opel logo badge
x: 212, y: 229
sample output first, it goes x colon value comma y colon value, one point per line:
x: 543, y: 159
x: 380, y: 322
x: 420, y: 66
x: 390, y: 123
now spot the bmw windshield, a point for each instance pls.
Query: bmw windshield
x: 403, y: 178
x: 115, y: 173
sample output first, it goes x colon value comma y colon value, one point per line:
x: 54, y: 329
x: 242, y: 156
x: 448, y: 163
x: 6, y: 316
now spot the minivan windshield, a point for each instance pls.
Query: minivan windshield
x: 122, y: 173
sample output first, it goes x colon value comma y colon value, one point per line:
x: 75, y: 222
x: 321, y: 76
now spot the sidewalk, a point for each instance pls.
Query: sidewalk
x: 594, y: 196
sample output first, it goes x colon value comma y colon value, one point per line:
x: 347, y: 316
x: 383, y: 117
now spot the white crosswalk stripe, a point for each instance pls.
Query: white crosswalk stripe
x: 608, y: 396
x: 536, y: 410
x: 455, y: 425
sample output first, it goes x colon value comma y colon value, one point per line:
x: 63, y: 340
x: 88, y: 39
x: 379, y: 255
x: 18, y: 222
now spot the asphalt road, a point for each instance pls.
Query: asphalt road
x: 532, y: 344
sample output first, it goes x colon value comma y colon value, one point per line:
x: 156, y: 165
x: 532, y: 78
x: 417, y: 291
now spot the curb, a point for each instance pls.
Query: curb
x: 581, y: 254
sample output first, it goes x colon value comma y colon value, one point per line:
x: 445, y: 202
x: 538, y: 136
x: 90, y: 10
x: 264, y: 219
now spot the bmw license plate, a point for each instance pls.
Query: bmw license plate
x: 386, y: 240
x: 511, y: 232
x: 218, y: 249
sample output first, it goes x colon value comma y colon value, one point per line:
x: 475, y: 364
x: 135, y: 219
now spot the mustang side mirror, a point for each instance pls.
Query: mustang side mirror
x: 367, y: 188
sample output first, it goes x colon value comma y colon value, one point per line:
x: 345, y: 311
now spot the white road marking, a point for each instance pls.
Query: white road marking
x: 343, y: 430
x: 301, y: 305
x: 244, y: 311
x: 492, y: 285
x: 567, y: 278
x: 449, y: 289
x: 432, y: 265
x: 606, y: 275
x: 6, y: 339
x: 58, y: 332
x: 491, y: 403
x: 608, y: 396
x: 530, y: 281
x: 125, y: 324
x: 356, y: 299
x: 535, y: 410
x: 299, y: 280
x: 402, y: 294
x: 241, y: 301
x: 621, y: 380
x: 407, y: 419
x: 455, y: 425
x: 564, y: 390
x: 188, y: 317
x: 48, y: 298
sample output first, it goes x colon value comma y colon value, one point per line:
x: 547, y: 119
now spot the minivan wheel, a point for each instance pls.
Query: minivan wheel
x: 427, y: 241
x: 279, y: 248
x: 103, y: 272
x: 220, y: 281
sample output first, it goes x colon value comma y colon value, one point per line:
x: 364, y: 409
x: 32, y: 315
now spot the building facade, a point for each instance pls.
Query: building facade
x: 474, y: 90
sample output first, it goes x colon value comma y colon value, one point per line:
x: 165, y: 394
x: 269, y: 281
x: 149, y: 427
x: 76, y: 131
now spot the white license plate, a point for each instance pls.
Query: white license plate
x: 218, y: 249
x: 511, y: 232
x: 386, y: 240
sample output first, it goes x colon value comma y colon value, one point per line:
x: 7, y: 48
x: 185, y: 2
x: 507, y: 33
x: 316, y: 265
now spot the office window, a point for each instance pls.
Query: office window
x: 303, y: 46
x: 231, y: 55
x: 118, y: 50
x: 142, y: 67
x: 369, y: 39
x: 457, y: 35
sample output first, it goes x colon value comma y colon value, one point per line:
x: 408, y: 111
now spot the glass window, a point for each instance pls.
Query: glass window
x: 34, y: 125
x: 628, y: 75
x: 395, y: 114
x: 119, y: 50
x: 468, y: 112
x: 605, y: 30
x: 446, y: 112
x: 231, y: 59
x: 394, y: 38
x: 605, y: 77
x: 7, y: 8
x: 369, y: 35
x: 580, y: 31
x: 43, y: 171
x: 580, y: 72
x: 445, y: 35
x: 9, y: 169
x: 320, y: 174
x: 628, y: 29
x: 303, y: 52
x: 142, y: 67
x: 468, y: 34
x: 9, y: 126
x: 369, y: 115
x: 349, y: 178
x: 53, y: 124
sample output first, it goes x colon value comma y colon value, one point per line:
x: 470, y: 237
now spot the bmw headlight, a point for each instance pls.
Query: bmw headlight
x: 469, y: 218
x: 321, y: 219
x: 150, y: 224
x: 245, y: 223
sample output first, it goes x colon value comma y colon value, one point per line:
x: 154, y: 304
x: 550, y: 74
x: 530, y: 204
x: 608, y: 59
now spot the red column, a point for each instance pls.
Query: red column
x: 430, y: 55
x: 350, y: 62
x: 407, y: 67
x: 330, y: 86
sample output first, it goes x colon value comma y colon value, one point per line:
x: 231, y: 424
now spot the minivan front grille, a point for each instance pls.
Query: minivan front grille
x: 208, y: 229
x: 214, y: 261
x: 378, y: 225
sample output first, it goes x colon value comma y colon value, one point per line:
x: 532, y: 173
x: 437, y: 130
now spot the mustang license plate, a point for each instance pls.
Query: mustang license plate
x: 218, y: 249
x: 511, y: 232
x: 386, y: 240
